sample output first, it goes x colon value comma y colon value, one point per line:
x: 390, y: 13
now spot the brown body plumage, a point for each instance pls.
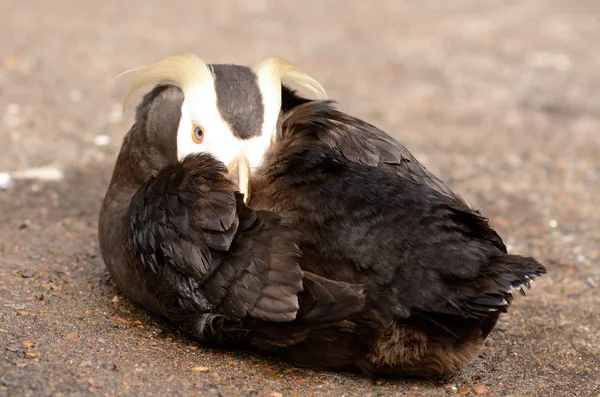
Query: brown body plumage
x: 349, y: 253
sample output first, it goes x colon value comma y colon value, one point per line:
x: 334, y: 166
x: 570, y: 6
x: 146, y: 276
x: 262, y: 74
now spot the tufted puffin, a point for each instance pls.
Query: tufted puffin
x: 254, y: 216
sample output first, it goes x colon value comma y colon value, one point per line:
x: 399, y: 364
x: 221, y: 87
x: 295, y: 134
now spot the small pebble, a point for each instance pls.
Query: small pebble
x: 111, y: 366
x: 42, y: 173
x: 553, y: 223
x: 201, y: 369
x: 6, y: 180
x: 102, y: 140
x: 591, y: 282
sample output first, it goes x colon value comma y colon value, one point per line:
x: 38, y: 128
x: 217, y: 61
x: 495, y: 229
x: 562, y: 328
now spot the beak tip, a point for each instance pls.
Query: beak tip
x: 240, y: 167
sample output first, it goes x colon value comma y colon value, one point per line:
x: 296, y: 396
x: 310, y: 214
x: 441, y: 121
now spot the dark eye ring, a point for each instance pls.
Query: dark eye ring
x: 197, y: 133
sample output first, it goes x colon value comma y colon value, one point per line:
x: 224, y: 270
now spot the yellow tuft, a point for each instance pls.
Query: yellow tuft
x: 188, y: 71
x: 282, y: 71
x: 271, y: 73
x: 183, y: 71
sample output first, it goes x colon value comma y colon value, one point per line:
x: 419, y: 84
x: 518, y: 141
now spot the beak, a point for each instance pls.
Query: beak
x: 239, y: 172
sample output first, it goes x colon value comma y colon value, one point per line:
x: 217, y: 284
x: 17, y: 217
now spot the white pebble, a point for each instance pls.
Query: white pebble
x: 102, y: 140
x: 553, y: 223
x: 6, y: 180
x: 42, y: 173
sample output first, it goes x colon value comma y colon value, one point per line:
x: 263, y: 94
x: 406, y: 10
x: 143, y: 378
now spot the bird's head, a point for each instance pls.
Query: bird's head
x: 228, y: 111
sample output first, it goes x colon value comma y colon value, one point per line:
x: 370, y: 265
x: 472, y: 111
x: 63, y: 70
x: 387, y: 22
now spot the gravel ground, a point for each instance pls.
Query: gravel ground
x: 500, y: 98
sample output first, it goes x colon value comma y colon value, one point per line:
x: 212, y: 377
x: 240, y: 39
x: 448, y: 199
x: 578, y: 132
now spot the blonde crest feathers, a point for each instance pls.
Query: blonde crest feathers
x: 183, y: 71
x: 282, y: 71
x: 188, y: 71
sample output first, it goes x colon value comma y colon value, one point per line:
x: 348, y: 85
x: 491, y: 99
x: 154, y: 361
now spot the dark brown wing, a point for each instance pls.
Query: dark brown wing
x: 360, y: 142
x: 420, y: 248
x: 190, y: 226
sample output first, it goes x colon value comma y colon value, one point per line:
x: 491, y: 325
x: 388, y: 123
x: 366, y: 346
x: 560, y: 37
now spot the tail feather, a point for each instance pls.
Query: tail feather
x: 511, y: 273
x: 495, y: 288
x: 472, y: 307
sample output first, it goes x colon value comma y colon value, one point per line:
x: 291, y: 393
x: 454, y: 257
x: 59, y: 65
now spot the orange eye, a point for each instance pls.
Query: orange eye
x: 197, y: 133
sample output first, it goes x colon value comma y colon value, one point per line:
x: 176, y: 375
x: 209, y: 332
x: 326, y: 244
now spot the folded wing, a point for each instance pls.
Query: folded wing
x: 189, y: 225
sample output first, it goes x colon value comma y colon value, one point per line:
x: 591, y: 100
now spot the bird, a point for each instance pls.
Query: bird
x: 249, y: 211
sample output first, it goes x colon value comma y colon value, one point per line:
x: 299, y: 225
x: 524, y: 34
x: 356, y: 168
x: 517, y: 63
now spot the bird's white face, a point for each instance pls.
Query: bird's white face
x: 203, y: 130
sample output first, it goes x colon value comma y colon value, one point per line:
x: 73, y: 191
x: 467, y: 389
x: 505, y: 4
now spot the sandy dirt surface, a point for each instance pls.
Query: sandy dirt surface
x: 500, y: 98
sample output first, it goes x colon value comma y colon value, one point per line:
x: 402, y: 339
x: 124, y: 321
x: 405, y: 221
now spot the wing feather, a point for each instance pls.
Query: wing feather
x: 190, y: 226
x: 366, y: 199
x: 359, y: 142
